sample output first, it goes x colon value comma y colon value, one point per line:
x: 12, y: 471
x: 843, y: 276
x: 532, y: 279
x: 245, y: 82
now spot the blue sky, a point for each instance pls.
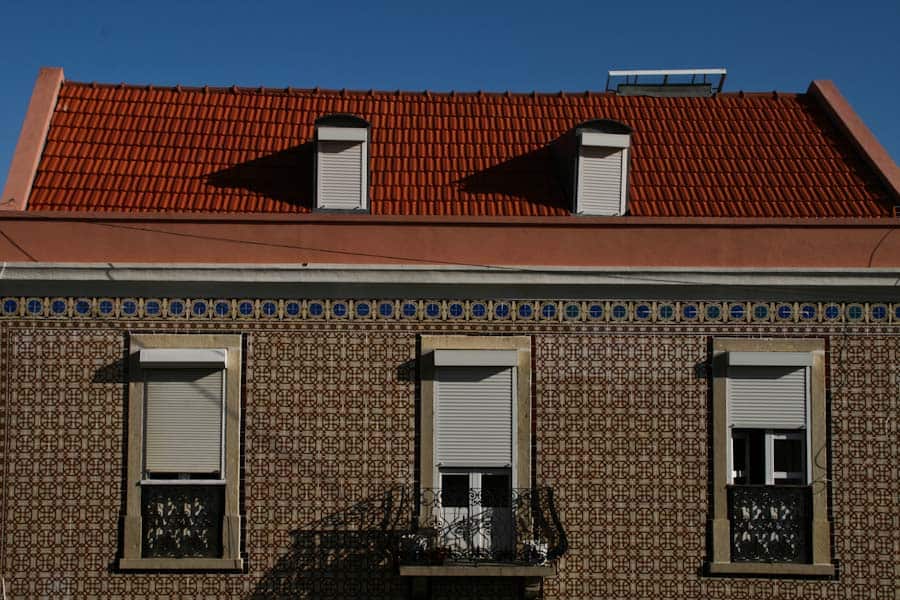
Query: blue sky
x: 461, y: 45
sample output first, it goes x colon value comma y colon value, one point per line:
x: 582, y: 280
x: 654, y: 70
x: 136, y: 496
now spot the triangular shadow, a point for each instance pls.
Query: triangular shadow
x: 539, y: 177
x: 286, y: 176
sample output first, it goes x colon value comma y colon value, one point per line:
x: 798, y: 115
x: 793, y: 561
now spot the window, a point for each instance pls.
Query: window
x: 769, y: 494
x: 342, y: 163
x: 476, y: 432
x: 601, y: 173
x: 766, y: 457
x: 183, y: 453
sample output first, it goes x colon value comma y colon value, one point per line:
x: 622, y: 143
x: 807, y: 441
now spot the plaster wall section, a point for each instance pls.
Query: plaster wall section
x: 614, y: 242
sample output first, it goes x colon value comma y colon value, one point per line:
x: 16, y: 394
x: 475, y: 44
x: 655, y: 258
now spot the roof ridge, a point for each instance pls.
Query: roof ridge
x: 316, y: 90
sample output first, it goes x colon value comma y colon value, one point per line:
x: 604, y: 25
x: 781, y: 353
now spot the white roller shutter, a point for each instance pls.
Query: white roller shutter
x: 600, y: 183
x: 767, y: 397
x: 474, y: 416
x: 183, y: 420
x: 340, y: 175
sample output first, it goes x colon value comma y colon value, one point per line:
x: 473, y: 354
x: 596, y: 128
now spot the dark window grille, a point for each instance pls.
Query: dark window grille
x: 182, y: 521
x: 770, y: 523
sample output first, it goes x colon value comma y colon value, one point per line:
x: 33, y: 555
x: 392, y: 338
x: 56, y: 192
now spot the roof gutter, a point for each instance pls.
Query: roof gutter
x: 23, y: 168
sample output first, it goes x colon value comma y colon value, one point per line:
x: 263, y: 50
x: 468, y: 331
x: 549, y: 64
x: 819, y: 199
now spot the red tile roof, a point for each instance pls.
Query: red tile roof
x: 246, y: 150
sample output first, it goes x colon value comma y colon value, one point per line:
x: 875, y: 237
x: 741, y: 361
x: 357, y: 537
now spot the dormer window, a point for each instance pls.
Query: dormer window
x: 342, y: 158
x: 601, y: 172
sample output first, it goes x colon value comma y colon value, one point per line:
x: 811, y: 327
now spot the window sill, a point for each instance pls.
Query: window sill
x: 172, y: 564
x: 484, y: 570
x: 772, y: 569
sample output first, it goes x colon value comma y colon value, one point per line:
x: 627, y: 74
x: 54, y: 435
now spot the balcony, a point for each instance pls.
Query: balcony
x: 484, y: 533
x: 770, y: 523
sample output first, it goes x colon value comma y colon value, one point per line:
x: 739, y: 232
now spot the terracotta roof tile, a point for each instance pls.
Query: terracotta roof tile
x: 479, y: 154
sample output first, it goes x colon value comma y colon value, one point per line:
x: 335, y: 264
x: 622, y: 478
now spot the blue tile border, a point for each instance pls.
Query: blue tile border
x: 505, y: 310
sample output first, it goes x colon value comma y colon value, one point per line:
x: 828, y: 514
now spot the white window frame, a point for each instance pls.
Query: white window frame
x: 617, y: 142
x: 771, y: 473
x: 801, y: 360
x: 769, y: 437
x: 353, y: 135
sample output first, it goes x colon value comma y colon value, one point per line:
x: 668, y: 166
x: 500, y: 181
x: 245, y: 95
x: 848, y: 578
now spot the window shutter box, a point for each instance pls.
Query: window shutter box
x: 474, y: 416
x: 183, y: 357
x: 183, y: 420
x: 340, y: 175
x: 767, y: 397
x: 601, y: 180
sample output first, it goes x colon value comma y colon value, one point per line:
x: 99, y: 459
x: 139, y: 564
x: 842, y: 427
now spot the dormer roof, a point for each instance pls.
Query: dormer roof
x: 251, y: 150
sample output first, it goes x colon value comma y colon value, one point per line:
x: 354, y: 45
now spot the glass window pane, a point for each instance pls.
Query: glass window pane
x: 788, y: 455
x: 495, y: 490
x: 757, y: 467
x: 788, y: 460
x: 455, y: 490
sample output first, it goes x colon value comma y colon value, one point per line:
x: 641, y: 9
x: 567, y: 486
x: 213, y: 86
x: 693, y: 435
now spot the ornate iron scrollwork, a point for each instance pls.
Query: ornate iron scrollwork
x: 181, y: 521
x: 520, y: 526
x: 769, y: 523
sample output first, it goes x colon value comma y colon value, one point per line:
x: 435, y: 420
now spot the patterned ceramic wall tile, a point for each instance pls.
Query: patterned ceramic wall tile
x: 621, y: 422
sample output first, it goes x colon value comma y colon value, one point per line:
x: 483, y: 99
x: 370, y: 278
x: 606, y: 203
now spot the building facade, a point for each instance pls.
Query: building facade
x: 302, y: 343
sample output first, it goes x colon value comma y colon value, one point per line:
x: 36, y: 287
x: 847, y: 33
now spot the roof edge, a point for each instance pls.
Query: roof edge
x: 376, y: 220
x: 837, y: 107
x: 24, y: 164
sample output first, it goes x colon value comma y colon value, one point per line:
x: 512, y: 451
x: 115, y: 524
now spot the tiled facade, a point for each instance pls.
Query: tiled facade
x: 621, y: 421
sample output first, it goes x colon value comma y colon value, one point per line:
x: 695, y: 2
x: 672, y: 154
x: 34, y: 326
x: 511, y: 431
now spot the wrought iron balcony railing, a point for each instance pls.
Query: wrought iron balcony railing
x: 519, y: 527
x: 770, y: 523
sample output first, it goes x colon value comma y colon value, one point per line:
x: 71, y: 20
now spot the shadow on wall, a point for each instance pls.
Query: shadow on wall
x: 117, y: 372
x: 349, y: 554
x: 285, y: 176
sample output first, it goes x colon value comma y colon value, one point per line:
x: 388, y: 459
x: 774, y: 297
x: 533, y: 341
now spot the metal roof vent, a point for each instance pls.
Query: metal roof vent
x: 667, y: 83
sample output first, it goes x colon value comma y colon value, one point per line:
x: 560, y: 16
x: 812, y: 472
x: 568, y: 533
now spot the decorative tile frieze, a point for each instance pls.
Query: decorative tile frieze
x: 617, y: 311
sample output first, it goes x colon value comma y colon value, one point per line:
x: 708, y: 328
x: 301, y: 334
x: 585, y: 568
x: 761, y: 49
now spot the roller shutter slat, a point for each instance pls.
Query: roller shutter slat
x: 183, y: 420
x: 340, y: 175
x: 474, y: 416
x: 601, y: 180
x: 767, y: 397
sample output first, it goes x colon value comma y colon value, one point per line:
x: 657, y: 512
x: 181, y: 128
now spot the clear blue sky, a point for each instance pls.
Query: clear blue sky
x: 519, y: 45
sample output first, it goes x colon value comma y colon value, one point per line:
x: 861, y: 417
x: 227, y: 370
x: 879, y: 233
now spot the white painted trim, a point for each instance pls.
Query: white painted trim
x: 479, y: 358
x: 182, y: 357
x: 55, y: 272
x: 342, y: 134
x: 769, y: 359
x: 624, y: 73
x: 604, y: 140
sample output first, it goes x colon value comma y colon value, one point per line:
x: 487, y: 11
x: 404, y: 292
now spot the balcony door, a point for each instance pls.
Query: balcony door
x: 474, y: 449
x: 477, y: 513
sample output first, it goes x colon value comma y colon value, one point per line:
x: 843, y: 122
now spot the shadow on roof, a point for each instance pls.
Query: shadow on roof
x: 286, y: 176
x: 538, y: 177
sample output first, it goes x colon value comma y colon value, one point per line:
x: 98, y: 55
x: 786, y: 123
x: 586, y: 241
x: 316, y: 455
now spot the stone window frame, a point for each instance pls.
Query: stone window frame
x: 820, y: 534
x: 428, y: 471
x: 231, y: 525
